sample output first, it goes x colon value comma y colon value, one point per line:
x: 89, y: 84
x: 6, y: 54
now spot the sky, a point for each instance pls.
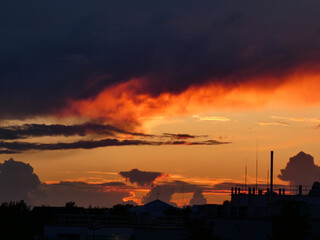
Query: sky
x: 106, y: 102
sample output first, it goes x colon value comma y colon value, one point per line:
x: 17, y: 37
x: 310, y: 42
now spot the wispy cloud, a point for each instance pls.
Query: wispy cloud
x: 13, y: 132
x: 273, y: 124
x: 211, y: 118
x: 296, y: 119
x: 93, y: 135
x: 100, y: 172
x: 182, y: 136
x: 19, y: 147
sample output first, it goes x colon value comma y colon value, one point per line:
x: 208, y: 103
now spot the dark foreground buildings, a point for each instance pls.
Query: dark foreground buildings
x: 249, y: 215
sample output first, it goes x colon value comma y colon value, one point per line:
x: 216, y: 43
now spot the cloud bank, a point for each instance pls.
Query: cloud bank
x: 85, y: 194
x: 19, y: 182
x: 107, y: 59
x: 92, y: 135
x: 20, y: 147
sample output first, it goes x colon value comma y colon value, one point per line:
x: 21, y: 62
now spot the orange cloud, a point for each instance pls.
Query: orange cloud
x: 128, y: 105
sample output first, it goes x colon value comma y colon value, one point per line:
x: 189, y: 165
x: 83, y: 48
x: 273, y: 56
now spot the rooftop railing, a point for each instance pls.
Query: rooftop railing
x: 265, y: 189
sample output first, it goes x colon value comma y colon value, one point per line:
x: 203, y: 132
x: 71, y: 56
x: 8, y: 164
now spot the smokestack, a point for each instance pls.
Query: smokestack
x: 271, y: 173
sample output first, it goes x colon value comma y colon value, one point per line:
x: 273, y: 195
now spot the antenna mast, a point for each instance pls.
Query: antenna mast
x: 245, y: 179
x: 268, y: 178
x: 182, y: 193
x: 257, y: 165
x: 271, y: 173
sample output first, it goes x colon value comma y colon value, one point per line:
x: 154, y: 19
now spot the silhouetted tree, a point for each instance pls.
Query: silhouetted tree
x: 15, y: 221
x: 121, y: 209
x: 96, y: 210
x: 71, y: 204
x: 186, y: 212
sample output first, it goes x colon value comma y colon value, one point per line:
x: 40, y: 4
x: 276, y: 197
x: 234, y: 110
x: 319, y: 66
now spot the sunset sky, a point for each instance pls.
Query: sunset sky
x: 121, y: 101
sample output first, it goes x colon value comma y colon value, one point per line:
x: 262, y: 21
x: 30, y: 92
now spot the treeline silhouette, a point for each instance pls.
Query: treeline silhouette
x: 19, y: 221
x: 16, y: 221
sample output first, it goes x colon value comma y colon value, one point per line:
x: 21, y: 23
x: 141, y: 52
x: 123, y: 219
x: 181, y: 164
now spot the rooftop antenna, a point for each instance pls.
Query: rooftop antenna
x: 268, y: 178
x: 271, y: 172
x: 257, y: 164
x: 182, y: 193
x: 245, y: 178
x: 157, y: 194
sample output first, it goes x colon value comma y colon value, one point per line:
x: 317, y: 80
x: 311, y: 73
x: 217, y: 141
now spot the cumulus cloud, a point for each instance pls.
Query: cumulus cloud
x: 74, y: 49
x: 18, y: 182
x: 198, y: 198
x: 141, y: 178
x: 165, y: 191
x: 300, y: 170
x: 162, y: 192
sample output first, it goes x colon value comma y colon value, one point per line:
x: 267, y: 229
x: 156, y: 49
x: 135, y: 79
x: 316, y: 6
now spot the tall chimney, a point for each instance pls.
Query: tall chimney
x: 271, y: 173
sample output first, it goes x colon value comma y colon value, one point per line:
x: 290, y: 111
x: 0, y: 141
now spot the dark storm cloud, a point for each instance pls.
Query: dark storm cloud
x: 19, y: 147
x: 301, y: 170
x: 18, y: 182
x: 38, y: 130
x: 141, y: 178
x: 53, y: 51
